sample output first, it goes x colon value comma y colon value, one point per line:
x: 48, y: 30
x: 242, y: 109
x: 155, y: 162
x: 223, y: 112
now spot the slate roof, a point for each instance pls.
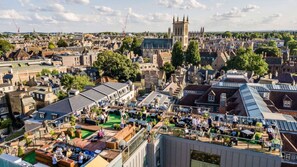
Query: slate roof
x: 115, y: 85
x: 217, y: 91
x: 274, y: 60
x: 285, y: 78
x: 104, y: 90
x: 92, y: 94
x: 197, y: 87
x: 156, y: 43
x: 277, y: 98
x: 189, y: 100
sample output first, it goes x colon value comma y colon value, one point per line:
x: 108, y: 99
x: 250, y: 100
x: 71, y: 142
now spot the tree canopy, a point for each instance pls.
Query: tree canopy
x: 227, y: 34
x: 292, y: 45
x: 55, y: 72
x: 136, y: 44
x: 177, y: 58
x: 270, y: 51
x: 5, y: 46
x: 192, y: 54
x: 248, y: 61
x: 76, y: 82
x: 126, y: 45
x: 117, y: 66
x: 62, y: 43
x: 168, y: 68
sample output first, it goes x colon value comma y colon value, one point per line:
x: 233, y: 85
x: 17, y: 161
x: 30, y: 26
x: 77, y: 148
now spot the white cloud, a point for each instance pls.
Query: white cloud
x: 56, y: 7
x: 272, y: 18
x: 12, y: 14
x: 148, y: 18
x: 107, y: 11
x: 235, y: 13
x: 23, y: 2
x: 85, y: 2
x: 45, y: 19
x: 250, y: 8
x: 182, y: 4
x: 69, y: 16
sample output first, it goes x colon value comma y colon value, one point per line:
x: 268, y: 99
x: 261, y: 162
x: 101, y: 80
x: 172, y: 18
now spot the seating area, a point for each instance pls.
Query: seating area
x: 253, y: 136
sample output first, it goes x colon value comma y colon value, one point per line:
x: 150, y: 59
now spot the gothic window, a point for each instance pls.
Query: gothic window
x: 211, y: 96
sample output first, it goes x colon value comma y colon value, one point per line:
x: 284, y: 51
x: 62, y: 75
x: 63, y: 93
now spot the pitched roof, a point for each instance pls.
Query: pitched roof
x: 197, y: 87
x: 20, y: 54
x: 276, y: 98
x: 156, y: 43
x: 104, y: 90
x: 285, y: 78
x: 273, y: 60
x: 189, y: 100
x: 93, y: 95
x: 115, y: 85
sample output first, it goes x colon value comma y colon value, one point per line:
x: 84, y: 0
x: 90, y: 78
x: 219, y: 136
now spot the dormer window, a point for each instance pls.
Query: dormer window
x: 54, y: 116
x: 211, y: 96
x: 41, y: 115
x: 287, y: 102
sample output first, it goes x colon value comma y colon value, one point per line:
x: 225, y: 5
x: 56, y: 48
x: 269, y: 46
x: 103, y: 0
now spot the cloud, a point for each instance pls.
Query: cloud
x: 45, y: 19
x: 55, y: 7
x: 148, y: 18
x: 250, y: 8
x: 103, y: 10
x: 272, y: 18
x: 69, y: 16
x: 182, y: 4
x: 84, y: 2
x: 23, y: 2
x: 12, y: 14
x: 235, y: 13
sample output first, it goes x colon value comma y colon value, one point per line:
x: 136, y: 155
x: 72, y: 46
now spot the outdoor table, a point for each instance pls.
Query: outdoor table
x: 224, y: 129
x: 247, y: 134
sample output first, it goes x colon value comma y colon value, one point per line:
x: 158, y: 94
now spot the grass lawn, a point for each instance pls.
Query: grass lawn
x: 30, y: 158
x: 171, y: 125
x: 86, y: 133
x: 113, y: 119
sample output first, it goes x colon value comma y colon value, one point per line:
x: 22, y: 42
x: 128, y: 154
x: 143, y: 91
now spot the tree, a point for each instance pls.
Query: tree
x: 292, y: 45
x: 127, y: 45
x: 248, y: 61
x: 272, y: 43
x: 45, y: 72
x: 76, y: 82
x: 268, y: 50
x: 227, y: 34
x: 51, y: 45
x: 177, y: 58
x: 55, y: 72
x: 5, y: 46
x: 61, y: 95
x: 192, y: 54
x: 62, y: 43
x: 207, y: 67
x: 168, y: 68
x: 116, y: 66
x: 135, y: 46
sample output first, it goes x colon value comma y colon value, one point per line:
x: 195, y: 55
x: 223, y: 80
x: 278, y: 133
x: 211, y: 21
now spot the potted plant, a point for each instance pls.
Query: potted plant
x: 20, y: 151
x: 70, y: 132
x: 72, y: 120
x: 117, y: 126
x: 78, y: 133
x: 28, y: 141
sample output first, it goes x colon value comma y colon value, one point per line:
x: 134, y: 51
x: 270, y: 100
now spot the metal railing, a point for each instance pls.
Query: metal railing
x: 289, y: 156
x: 133, y: 144
x: 225, y: 140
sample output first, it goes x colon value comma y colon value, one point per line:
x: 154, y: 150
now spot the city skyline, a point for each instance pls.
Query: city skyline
x: 153, y: 16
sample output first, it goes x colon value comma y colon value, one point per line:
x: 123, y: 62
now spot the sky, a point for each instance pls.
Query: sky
x: 145, y: 15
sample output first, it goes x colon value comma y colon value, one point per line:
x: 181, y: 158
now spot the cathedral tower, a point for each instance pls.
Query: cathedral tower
x: 181, y: 31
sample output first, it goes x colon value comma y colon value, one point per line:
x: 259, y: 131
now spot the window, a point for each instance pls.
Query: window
x: 41, y: 115
x: 211, y: 98
x: 54, y: 116
x: 287, y: 103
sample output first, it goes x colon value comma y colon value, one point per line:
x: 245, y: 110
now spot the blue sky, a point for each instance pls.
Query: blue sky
x: 146, y: 15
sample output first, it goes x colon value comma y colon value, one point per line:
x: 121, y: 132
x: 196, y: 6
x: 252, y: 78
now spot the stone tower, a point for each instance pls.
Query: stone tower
x: 181, y: 31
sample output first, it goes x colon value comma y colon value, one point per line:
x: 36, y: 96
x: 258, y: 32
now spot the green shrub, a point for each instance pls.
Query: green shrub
x: 259, y: 124
x: 258, y: 135
x: 20, y: 151
x: 117, y: 126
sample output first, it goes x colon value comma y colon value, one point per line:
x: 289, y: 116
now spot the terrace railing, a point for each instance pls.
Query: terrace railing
x: 225, y: 140
x: 133, y: 144
x: 289, y: 157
